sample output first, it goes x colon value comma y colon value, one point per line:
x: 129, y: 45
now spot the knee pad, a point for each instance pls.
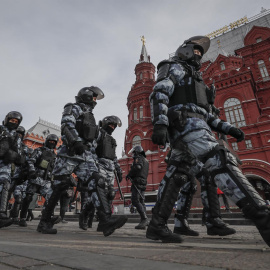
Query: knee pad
x: 180, y: 179
x: 101, y: 182
x: 111, y: 194
x: 6, y: 186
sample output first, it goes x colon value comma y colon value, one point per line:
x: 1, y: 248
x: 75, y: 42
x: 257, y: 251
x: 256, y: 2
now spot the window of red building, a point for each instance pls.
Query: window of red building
x: 263, y: 70
x: 235, y: 146
x: 234, y: 112
x: 141, y: 113
x: 248, y: 144
x: 222, y: 66
x: 136, y: 141
x: 135, y: 114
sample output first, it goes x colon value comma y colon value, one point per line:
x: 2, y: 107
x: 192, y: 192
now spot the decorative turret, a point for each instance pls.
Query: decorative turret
x: 139, y: 119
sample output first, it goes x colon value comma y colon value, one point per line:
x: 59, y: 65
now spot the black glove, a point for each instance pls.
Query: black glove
x: 127, y: 177
x: 11, y: 156
x: 160, y: 136
x: 32, y: 175
x: 78, y: 148
x: 237, y: 133
x: 20, y: 160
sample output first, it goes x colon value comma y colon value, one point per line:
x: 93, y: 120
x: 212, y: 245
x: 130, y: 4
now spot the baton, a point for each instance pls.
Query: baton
x: 136, y: 188
x: 118, y: 184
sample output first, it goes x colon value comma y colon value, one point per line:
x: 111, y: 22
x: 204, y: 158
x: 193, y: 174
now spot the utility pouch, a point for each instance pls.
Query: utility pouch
x: 43, y: 164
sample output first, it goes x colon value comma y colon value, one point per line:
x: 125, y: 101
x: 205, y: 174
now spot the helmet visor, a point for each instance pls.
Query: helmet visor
x: 97, y: 92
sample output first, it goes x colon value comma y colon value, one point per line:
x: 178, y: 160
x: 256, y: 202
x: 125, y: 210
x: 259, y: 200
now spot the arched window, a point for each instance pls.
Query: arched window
x: 141, y: 76
x: 136, y: 141
x: 141, y: 113
x: 234, y: 112
x: 135, y: 114
x: 263, y: 70
x: 222, y: 66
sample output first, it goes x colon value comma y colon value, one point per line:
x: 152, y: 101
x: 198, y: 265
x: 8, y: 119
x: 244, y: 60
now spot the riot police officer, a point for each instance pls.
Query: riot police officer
x: 108, y: 168
x: 40, y: 166
x: 180, y: 108
x: 10, y: 152
x: 77, y: 154
x: 19, y: 178
x: 138, y: 176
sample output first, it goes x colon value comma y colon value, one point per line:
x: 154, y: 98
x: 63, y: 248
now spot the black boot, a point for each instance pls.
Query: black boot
x: 5, y: 221
x: 14, y: 212
x: 46, y: 222
x: 157, y: 229
x: 25, y: 205
x: 184, y: 229
x: 107, y: 223
x: 144, y: 222
x: 216, y: 226
x: 211, y: 212
x: 91, y: 215
x: 182, y: 216
x: 260, y: 217
x: 83, y: 217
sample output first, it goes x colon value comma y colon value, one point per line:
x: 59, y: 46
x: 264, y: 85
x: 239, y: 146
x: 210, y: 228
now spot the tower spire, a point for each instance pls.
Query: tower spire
x: 144, y: 55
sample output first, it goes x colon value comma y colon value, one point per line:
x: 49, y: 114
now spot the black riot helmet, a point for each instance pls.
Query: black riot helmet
x: 86, y: 94
x: 12, y: 115
x: 186, y: 51
x: 21, y: 130
x: 137, y: 150
x: 48, y: 143
x: 109, y: 123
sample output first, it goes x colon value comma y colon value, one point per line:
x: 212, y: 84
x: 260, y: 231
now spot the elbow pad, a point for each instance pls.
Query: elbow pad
x: 70, y: 134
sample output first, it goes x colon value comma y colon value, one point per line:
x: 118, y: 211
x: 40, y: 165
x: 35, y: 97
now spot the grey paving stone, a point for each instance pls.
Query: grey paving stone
x: 48, y: 267
x: 127, y: 248
x: 7, y: 267
x: 19, y: 261
x: 3, y: 254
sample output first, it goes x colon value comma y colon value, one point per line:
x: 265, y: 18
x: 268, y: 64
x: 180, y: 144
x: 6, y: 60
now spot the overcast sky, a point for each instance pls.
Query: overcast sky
x: 50, y: 49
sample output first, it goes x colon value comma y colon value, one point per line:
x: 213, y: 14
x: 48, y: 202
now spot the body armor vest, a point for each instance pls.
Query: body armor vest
x: 106, y: 148
x: 86, y: 126
x: 143, y: 173
x: 44, y: 160
x: 195, y: 92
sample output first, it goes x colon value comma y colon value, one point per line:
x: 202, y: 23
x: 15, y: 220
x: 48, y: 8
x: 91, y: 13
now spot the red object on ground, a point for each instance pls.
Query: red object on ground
x: 219, y: 192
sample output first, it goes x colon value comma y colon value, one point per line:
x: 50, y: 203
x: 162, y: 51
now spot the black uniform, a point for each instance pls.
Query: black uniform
x: 138, y: 175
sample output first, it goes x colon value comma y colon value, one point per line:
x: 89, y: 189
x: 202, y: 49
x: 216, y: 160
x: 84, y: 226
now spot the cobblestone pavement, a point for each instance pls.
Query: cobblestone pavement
x: 127, y: 248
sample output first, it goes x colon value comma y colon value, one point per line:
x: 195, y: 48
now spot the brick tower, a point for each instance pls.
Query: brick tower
x: 140, y: 129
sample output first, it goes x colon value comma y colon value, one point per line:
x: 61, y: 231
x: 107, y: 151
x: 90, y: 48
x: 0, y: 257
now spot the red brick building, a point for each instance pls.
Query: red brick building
x: 238, y: 62
x: 140, y: 129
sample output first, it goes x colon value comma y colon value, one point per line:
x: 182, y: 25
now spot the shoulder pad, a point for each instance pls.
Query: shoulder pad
x: 164, y: 62
x: 163, y: 69
x: 68, y: 109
